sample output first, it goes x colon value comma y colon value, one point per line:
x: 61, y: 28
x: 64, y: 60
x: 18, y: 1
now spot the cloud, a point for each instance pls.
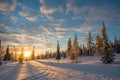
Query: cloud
x: 32, y: 19
x: 60, y: 36
x: 84, y: 28
x: 14, y: 18
x: 6, y: 6
x: 60, y: 9
x: 63, y: 29
x: 69, y: 6
x: 45, y: 10
x: 21, y: 13
x: 54, y: 32
x: 27, y: 16
x: 23, y: 39
x: 50, y: 18
x: 93, y: 13
x: 41, y: 1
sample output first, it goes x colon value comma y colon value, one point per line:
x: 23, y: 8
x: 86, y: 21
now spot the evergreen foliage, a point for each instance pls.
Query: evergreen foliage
x: 33, y: 54
x: 107, y: 55
x: 97, y: 45
x: 89, y: 44
x: 69, y: 48
x: 75, y: 50
x: 58, y: 57
x: 1, y: 52
x: 7, y: 55
x: 21, y: 56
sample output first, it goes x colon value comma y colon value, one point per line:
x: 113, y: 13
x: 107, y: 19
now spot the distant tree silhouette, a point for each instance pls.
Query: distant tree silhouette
x: 15, y: 51
x: 89, y: 44
x: 33, y: 54
x: 1, y: 53
x: 58, y: 56
x: 38, y: 56
x: 75, y: 50
x: 69, y: 48
x: 116, y: 44
x: 7, y: 55
x: 84, y: 50
x: 21, y: 56
x: 97, y: 45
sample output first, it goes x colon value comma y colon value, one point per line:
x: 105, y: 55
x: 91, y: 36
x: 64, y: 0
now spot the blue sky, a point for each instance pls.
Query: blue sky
x: 41, y: 23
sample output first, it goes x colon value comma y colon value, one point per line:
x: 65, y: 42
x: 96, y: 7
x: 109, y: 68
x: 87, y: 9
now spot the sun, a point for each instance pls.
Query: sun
x: 27, y: 54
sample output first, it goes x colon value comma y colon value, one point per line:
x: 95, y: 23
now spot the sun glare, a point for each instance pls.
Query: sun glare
x: 27, y: 54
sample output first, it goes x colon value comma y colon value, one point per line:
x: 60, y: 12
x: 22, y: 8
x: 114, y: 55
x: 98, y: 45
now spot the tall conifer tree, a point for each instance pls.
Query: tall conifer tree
x: 58, y: 57
x: 75, y: 49
x: 22, y: 56
x: 89, y: 44
x: 107, y: 56
x: 33, y: 53
x: 69, y: 48
x: 97, y: 45
x: 7, y: 55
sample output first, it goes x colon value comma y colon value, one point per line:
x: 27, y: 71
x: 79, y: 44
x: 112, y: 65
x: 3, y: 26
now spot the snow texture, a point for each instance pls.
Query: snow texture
x: 88, y: 68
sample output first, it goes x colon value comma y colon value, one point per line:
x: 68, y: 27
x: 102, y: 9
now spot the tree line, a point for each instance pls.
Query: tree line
x: 102, y: 46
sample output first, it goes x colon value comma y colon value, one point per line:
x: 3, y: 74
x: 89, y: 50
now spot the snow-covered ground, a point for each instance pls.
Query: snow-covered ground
x: 88, y: 68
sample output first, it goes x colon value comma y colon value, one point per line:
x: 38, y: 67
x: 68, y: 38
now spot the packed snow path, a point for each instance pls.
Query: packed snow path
x: 32, y: 70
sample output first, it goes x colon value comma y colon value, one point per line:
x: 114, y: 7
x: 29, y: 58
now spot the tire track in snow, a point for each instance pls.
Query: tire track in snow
x: 34, y: 68
x: 52, y: 73
x: 9, y: 71
x: 69, y: 74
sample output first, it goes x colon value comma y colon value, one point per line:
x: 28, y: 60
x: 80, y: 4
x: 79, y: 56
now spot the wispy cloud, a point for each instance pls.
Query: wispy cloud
x: 63, y: 29
x: 69, y: 6
x: 84, y: 28
x: 41, y: 1
x: 6, y: 6
x: 41, y: 22
x: 32, y: 19
x: 45, y: 10
x: 28, y: 16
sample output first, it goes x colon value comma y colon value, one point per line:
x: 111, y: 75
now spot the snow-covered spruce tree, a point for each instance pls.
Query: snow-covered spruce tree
x: 75, y: 50
x: 58, y: 57
x: 97, y: 45
x: 33, y: 54
x: 7, y: 55
x: 107, y: 56
x: 89, y: 44
x: 21, y: 56
x: 69, y: 48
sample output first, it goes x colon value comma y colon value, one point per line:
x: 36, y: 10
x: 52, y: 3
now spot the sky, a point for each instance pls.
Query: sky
x: 40, y: 23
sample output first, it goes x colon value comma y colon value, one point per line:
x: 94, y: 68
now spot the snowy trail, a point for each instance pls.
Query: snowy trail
x: 7, y: 70
x: 16, y: 71
x: 106, y: 70
x: 88, y: 65
x: 36, y: 70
